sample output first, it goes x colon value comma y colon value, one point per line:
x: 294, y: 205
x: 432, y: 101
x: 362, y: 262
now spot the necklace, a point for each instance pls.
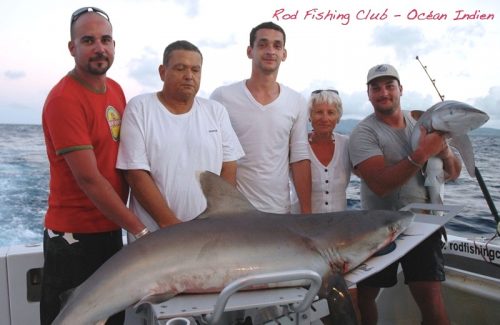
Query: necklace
x: 97, y: 90
x: 312, y: 134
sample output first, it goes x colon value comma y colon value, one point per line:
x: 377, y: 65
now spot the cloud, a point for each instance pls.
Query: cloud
x: 405, y: 41
x: 356, y: 105
x: 413, y: 100
x: 465, y: 35
x: 191, y: 6
x: 220, y: 44
x: 490, y: 103
x: 145, y: 69
x: 14, y: 74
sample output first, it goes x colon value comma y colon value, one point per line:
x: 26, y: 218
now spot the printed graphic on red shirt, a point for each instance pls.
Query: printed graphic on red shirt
x: 114, y: 120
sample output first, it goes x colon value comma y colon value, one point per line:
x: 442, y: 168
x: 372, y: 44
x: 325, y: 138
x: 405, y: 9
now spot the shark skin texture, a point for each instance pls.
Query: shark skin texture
x: 230, y: 240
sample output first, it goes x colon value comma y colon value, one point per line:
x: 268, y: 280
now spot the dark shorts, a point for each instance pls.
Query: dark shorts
x: 425, y: 262
x: 67, y: 265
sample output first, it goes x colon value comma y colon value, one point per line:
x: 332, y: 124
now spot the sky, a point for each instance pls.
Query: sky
x: 461, y: 55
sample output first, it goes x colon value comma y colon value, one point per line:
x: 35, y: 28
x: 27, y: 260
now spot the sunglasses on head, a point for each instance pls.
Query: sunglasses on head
x: 317, y: 91
x: 81, y: 11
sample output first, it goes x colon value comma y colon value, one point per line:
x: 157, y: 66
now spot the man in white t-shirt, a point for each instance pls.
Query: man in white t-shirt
x: 170, y: 135
x: 270, y: 120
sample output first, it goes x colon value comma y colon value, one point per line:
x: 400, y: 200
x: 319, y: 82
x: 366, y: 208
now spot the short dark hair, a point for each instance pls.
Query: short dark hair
x: 266, y: 25
x: 179, y: 45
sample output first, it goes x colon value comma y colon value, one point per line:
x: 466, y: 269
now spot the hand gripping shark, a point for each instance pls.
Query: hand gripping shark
x: 229, y: 241
x: 455, y: 119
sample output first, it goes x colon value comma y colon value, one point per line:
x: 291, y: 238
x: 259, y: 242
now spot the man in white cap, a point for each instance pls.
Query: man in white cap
x: 381, y: 154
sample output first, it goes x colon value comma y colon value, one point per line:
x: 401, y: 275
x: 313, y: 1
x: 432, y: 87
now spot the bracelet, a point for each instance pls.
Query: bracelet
x: 142, y: 233
x: 414, y: 163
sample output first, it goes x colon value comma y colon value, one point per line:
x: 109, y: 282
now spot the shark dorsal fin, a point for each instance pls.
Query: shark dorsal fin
x: 222, y: 197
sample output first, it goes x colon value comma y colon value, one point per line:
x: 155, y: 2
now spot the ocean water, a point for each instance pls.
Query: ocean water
x: 24, y: 178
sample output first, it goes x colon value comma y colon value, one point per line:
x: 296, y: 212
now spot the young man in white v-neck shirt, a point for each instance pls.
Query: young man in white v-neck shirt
x: 270, y: 120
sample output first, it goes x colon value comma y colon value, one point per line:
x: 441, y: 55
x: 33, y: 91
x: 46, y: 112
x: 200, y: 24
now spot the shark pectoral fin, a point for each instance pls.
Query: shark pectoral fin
x: 435, y: 180
x: 436, y: 194
x: 434, y: 172
x: 154, y: 299
x: 464, y: 146
x: 223, y: 199
x: 334, y: 290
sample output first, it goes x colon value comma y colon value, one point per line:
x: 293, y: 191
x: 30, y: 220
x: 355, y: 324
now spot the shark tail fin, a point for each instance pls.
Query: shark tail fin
x: 222, y: 197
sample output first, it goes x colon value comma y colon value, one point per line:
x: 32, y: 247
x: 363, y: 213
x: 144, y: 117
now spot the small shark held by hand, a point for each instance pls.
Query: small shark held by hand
x: 229, y: 241
x: 455, y: 119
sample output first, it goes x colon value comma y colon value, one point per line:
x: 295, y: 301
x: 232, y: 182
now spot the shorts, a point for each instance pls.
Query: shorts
x: 425, y: 262
x: 69, y: 259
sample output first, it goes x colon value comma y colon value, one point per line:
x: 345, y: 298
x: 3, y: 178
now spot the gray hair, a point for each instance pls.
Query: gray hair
x: 325, y: 96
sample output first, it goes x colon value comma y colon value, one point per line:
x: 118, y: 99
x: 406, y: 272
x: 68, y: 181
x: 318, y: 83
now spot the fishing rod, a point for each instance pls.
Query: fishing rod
x: 479, y: 178
x: 432, y: 80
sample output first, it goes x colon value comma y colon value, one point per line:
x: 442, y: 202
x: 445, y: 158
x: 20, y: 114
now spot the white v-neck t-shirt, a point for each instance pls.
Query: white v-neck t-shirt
x: 272, y: 136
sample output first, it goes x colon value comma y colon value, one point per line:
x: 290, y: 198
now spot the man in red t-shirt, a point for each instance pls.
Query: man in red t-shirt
x: 81, y: 123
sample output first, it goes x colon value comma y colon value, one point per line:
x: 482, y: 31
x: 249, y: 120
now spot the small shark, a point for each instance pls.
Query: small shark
x: 455, y: 119
x: 229, y: 241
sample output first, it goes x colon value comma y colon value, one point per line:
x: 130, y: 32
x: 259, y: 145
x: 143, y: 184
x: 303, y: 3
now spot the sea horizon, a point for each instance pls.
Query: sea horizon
x: 24, y: 180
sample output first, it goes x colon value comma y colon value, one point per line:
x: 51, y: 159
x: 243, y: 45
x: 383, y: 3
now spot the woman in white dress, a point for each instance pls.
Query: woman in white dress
x: 330, y: 165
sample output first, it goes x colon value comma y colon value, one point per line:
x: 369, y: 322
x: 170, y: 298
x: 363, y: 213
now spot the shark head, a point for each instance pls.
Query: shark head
x: 455, y: 117
x: 355, y: 235
x: 451, y: 117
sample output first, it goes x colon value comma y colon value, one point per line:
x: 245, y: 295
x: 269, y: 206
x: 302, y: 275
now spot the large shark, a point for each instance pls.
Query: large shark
x: 455, y: 119
x: 229, y: 241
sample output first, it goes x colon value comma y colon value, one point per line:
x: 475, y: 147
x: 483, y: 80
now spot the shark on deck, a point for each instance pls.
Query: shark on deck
x: 229, y: 241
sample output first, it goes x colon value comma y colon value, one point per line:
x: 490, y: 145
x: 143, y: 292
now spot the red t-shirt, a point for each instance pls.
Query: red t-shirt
x: 75, y: 118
